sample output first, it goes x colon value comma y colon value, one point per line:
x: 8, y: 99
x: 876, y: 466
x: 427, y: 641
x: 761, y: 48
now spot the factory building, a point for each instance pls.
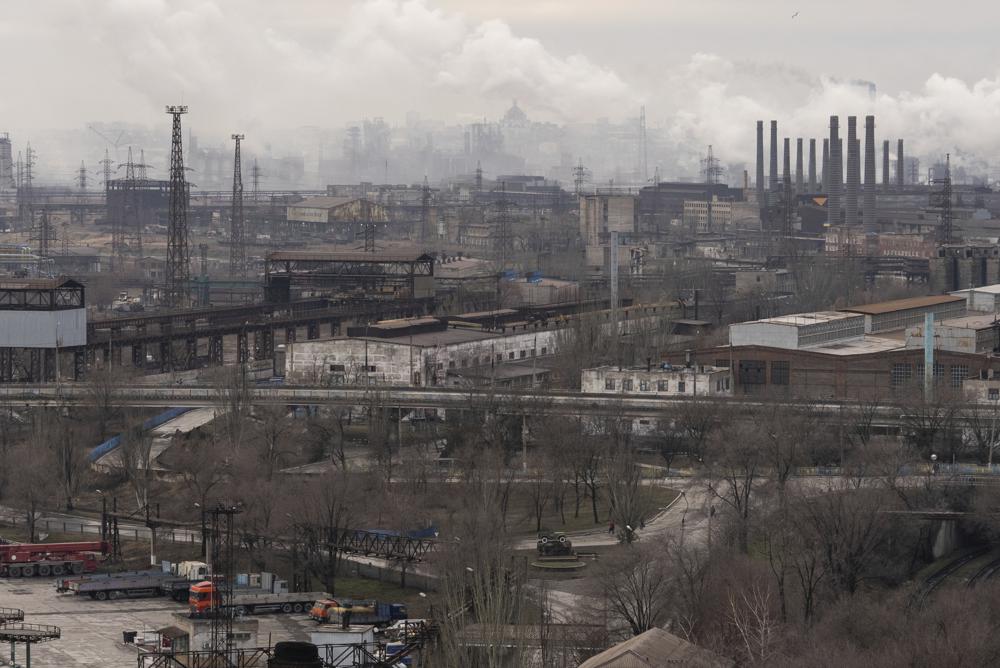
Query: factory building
x: 38, y: 319
x: 663, y: 380
x: 328, y: 211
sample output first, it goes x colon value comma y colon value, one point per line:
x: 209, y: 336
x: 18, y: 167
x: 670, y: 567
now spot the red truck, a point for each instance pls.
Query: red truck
x: 25, y: 560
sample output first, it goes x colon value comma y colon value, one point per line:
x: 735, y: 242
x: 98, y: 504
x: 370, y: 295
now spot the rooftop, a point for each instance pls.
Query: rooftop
x: 799, y: 319
x: 991, y: 289
x: 656, y: 647
x: 37, y: 283
x: 971, y: 322
x: 323, y: 202
x: 903, y: 304
x: 301, y: 256
x: 858, y: 346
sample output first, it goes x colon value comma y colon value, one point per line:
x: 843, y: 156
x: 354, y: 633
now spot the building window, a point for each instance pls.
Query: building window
x: 545, y: 350
x: 994, y: 394
x: 534, y: 352
x: 609, y: 383
x: 510, y: 356
x: 663, y: 386
x: 524, y: 353
x: 337, y: 368
x: 722, y: 364
x: 371, y: 368
x: 752, y: 372
x: 900, y: 374
x: 465, y: 362
x: 627, y: 385
x: 451, y: 364
x: 499, y: 357
x: 779, y: 373
x: 644, y: 386
x: 959, y: 372
x: 680, y: 387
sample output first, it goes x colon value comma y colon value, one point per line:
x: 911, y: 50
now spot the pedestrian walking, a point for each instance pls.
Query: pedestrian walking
x: 611, y: 528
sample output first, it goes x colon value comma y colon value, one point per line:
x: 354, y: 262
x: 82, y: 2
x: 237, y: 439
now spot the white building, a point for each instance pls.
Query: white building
x: 971, y: 334
x: 985, y: 299
x: 799, y: 330
x: 697, y: 212
x: 665, y: 380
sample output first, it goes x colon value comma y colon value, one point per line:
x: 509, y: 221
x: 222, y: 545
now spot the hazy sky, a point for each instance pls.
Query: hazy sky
x: 705, y: 68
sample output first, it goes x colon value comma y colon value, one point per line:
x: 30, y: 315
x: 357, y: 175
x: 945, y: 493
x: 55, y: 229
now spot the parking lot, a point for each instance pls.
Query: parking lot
x: 92, y: 630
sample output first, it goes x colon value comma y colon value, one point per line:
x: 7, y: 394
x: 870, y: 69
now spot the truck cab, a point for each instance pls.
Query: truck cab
x: 200, y: 598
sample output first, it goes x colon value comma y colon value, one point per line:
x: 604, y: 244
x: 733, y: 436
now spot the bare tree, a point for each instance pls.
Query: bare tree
x: 750, y: 611
x: 233, y: 404
x: 637, y: 587
x: 735, y: 474
x: 31, y: 484
x: 66, y: 440
x: 135, y: 462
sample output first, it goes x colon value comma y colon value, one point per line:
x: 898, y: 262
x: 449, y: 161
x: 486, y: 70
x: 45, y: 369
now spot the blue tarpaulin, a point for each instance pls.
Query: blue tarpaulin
x: 152, y: 423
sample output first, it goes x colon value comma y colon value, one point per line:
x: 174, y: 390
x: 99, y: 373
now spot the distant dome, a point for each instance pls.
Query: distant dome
x: 515, y: 115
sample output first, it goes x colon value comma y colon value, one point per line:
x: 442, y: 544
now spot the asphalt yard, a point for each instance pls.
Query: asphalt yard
x: 92, y: 630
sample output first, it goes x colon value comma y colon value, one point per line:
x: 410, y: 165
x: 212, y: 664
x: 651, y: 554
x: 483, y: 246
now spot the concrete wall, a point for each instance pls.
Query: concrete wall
x: 764, y: 334
x: 40, y: 329
x: 706, y: 381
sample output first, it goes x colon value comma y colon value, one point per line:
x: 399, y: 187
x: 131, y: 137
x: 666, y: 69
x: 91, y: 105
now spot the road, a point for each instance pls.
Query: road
x: 528, y: 402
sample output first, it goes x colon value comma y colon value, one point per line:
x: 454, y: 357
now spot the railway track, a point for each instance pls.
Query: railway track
x: 935, y: 579
x: 984, y: 573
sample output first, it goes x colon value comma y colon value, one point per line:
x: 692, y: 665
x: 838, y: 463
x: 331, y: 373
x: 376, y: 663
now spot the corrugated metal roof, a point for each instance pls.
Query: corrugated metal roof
x: 323, y: 202
x: 305, y: 256
x: 903, y: 304
x: 37, y: 283
x: 653, y: 649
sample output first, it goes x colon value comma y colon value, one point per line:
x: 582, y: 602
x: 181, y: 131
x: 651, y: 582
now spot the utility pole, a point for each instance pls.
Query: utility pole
x: 237, y: 229
x: 178, y: 270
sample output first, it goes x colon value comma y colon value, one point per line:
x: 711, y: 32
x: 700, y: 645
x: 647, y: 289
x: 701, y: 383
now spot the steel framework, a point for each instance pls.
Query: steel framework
x: 237, y: 228
x: 177, y: 269
x: 940, y: 200
x: 363, y: 655
x: 380, y: 544
x: 367, y: 271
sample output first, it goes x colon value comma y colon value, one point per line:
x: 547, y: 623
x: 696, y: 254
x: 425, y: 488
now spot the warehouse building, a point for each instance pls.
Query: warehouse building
x: 663, y: 380
x: 901, y: 313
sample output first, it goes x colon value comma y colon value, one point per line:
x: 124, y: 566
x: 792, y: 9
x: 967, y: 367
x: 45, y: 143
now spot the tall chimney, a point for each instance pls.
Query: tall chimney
x: 885, y: 166
x: 812, y: 165
x: 761, y: 203
x: 798, y: 166
x: 868, y: 201
x: 772, y: 181
x: 853, y: 177
x: 786, y: 175
x: 900, y: 167
x: 834, y: 181
x: 826, y: 165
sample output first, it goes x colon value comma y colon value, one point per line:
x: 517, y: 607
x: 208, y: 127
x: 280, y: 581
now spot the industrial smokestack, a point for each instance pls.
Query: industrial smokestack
x: 868, y: 209
x: 798, y: 166
x: 772, y: 182
x: 853, y: 175
x: 834, y: 181
x: 826, y: 165
x: 786, y: 175
x: 885, y: 166
x: 812, y: 165
x: 900, y: 168
x: 760, y: 165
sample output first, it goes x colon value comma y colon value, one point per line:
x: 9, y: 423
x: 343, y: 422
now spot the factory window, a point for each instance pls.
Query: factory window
x: 510, y: 356
x: 545, y: 350
x: 465, y: 362
x: 959, y: 372
x: 609, y: 383
x: 337, y: 368
x: 994, y: 394
x: 663, y: 386
x: 524, y: 353
x: 451, y: 364
x: 644, y: 386
x: 779, y: 373
x: 371, y: 368
x: 722, y: 364
x: 499, y: 357
x: 900, y: 374
x: 753, y: 372
x: 680, y: 387
x: 534, y: 353
x: 627, y: 385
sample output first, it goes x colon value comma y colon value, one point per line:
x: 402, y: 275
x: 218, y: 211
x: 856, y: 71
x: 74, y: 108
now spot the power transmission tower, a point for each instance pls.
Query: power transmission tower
x: 237, y: 229
x: 65, y: 238
x: 940, y: 199
x: 81, y: 177
x: 178, y: 270
x: 425, y: 212
x: 501, y: 238
x: 580, y: 177
x: 26, y: 195
x: 643, y: 152
x: 223, y: 572
x: 142, y: 166
x: 479, y: 176
x: 712, y: 170
x: 44, y: 234
x: 254, y: 181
